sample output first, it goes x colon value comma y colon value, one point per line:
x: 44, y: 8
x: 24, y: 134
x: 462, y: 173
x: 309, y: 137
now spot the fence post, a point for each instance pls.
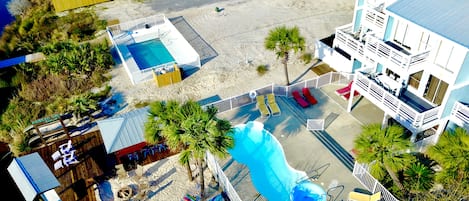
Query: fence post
x: 374, y: 186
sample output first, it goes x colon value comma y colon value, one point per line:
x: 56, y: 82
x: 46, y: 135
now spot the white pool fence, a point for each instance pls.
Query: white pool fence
x: 143, y: 29
x: 249, y: 97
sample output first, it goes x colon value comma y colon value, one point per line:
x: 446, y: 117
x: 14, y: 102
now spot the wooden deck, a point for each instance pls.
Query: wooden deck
x: 77, y: 180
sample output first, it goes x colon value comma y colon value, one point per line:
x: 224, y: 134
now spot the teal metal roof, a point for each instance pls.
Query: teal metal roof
x: 32, y: 176
x: 124, y: 130
x: 448, y: 18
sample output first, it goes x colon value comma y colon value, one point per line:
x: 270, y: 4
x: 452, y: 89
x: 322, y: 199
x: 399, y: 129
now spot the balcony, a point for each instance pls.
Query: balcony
x: 375, y: 20
x: 460, y: 114
x: 413, y: 119
x: 388, y: 53
x: 345, y: 40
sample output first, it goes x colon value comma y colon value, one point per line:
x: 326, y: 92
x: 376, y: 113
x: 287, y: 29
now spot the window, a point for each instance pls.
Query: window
x: 411, y: 37
x: 424, y: 40
x: 435, y: 90
x: 444, y: 52
x: 400, y: 32
x: 414, y: 80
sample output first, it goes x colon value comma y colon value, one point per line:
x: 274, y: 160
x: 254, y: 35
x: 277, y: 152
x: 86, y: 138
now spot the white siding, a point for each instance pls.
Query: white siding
x: 412, y: 37
x: 456, y: 59
x: 443, y: 53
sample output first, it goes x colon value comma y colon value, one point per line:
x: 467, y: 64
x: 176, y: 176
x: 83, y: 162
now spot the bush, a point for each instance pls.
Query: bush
x: 307, y: 58
x: 262, y: 69
x: 141, y: 104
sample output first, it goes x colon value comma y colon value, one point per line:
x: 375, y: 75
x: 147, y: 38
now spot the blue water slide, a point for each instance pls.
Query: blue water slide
x: 270, y: 173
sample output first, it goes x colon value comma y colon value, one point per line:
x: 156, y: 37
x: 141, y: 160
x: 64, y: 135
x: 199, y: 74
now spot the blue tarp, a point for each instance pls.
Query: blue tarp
x: 12, y: 61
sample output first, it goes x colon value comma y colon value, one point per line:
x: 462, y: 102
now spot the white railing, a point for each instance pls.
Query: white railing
x: 220, y: 176
x: 245, y: 99
x: 161, y: 66
x: 374, y: 19
x: 460, y: 114
x: 393, y: 106
x: 137, y: 24
x: 360, y: 172
x: 422, y: 144
x: 386, y: 54
x: 346, y: 41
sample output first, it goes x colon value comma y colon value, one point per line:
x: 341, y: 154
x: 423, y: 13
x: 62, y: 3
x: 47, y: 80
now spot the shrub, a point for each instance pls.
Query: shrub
x: 23, y: 110
x: 141, y: 104
x: 262, y: 69
x: 306, y: 58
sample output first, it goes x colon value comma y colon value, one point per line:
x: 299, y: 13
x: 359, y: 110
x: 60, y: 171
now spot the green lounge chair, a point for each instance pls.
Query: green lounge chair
x: 273, y: 105
x: 262, y: 106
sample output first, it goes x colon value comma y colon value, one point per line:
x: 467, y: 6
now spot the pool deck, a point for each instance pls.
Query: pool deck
x: 325, y: 154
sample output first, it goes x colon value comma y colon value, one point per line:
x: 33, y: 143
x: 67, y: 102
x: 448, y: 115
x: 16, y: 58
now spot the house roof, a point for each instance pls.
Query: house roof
x: 32, y: 176
x: 449, y: 18
x: 124, y: 130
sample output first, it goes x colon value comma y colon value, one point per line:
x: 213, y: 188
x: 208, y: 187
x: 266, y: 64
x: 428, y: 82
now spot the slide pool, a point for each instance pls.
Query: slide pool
x: 270, y: 173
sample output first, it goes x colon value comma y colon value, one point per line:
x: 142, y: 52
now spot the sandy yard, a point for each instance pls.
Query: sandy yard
x: 237, y: 36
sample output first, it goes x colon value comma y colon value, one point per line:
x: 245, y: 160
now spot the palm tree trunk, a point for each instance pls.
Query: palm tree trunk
x: 286, y: 68
x: 189, y: 171
x: 202, y: 180
x: 395, y: 179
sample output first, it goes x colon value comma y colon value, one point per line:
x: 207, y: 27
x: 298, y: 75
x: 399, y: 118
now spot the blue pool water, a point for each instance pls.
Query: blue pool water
x: 150, y: 53
x: 270, y: 173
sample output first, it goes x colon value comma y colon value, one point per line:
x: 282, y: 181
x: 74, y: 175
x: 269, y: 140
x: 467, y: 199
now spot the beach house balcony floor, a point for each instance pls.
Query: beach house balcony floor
x: 409, y: 110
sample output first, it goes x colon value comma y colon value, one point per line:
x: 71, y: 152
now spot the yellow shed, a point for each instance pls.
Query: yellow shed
x: 62, y: 5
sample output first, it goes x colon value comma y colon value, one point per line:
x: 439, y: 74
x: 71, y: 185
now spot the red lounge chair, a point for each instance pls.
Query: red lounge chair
x: 344, y: 90
x: 347, y: 95
x: 309, y: 97
x: 302, y: 102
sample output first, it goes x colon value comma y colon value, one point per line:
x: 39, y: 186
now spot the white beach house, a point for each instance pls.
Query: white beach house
x: 410, y: 58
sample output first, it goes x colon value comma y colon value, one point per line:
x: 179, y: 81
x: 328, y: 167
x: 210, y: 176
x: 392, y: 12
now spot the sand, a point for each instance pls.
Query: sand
x: 237, y: 36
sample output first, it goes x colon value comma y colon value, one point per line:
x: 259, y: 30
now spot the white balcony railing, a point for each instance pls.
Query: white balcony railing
x: 460, y: 114
x: 374, y: 19
x: 360, y: 171
x: 345, y: 40
x: 407, y: 116
x: 385, y: 53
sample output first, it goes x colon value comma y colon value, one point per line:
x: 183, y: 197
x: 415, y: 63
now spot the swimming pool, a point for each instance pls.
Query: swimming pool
x: 269, y: 170
x: 150, y: 53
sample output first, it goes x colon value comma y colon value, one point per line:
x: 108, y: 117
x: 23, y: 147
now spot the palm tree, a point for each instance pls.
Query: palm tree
x: 451, y: 153
x: 163, y: 121
x: 82, y: 104
x: 206, y: 133
x: 192, y: 129
x: 385, y: 150
x: 419, y: 178
x: 283, y: 40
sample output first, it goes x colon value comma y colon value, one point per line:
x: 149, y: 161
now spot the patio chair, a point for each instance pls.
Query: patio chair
x: 358, y: 196
x: 66, y: 148
x: 309, y: 97
x: 347, y: 96
x: 262, y: 106
x: 69, y: 159
x: 56, y: 155
x: 58, y: 165
x: 344, y: 90
x: 120, y: 171
x: 273, y: 105
x: 299, y: 99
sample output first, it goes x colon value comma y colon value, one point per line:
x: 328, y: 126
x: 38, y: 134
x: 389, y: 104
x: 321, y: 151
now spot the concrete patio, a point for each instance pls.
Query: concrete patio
x: 325, y: 155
